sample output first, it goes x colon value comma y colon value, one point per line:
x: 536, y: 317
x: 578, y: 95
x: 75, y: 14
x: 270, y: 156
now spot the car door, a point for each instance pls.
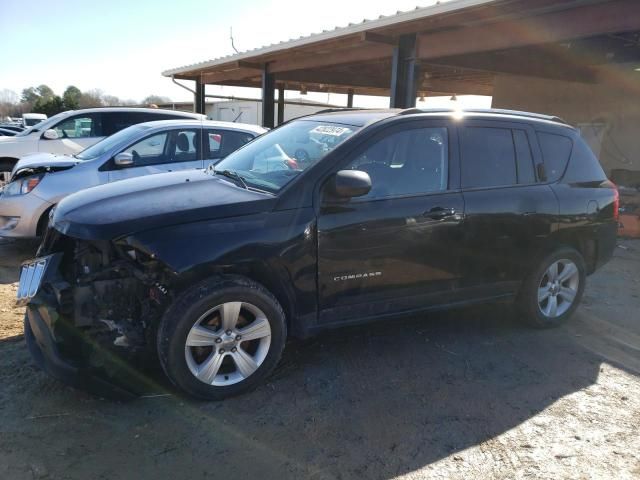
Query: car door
x: 165, y: 151
x: 397, y: 248
x: 219, y: 142
x: 509, y: 214
x: 75, y: 133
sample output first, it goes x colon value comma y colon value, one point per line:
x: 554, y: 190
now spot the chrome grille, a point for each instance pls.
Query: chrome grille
x: 30, y: 278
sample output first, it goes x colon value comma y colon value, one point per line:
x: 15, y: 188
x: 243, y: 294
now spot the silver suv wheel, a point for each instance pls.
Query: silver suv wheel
x: 228, y: 343
x: 558, y: 288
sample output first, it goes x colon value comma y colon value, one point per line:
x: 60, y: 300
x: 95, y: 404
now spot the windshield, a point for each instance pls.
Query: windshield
x: 121, y: 137
x: 44, y: 124
x: 274, y: 159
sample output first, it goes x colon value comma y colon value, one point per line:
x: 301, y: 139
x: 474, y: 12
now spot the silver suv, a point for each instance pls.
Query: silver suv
x: 41, y: 180
x: 72, y: 131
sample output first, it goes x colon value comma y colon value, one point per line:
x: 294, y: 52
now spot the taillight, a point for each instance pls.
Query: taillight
x: 616, y: 198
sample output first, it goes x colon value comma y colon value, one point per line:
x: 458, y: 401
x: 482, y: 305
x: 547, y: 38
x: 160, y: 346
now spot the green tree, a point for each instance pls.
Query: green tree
x: 29, y: 95
x: 49, y: 106
x: 71, y: 97
x: 36, y: 95
x: 44, y: 91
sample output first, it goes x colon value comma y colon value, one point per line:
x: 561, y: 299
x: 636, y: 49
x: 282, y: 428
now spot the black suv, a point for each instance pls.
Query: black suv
x: 401, y: 212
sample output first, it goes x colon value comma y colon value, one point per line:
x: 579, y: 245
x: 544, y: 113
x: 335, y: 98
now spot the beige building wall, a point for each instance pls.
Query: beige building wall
x: 607, y: 113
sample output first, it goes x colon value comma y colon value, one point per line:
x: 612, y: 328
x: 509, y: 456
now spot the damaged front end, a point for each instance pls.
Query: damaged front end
x: 40, y: 170
x: 96, y: 312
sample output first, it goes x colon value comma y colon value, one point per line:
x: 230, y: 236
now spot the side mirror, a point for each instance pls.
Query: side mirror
x: 349, y: 183
x: 123, y: 159
x: 50, y: 134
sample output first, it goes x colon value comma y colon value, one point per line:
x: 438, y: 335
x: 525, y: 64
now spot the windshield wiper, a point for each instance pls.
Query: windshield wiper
x: 233, y: 176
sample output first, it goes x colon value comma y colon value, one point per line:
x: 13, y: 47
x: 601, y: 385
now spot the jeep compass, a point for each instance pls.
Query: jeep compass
x: 397, y: 212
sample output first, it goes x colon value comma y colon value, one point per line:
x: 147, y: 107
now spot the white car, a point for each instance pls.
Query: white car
x: 72, y: 131
x: 31, y: 119
x: 39, y: 181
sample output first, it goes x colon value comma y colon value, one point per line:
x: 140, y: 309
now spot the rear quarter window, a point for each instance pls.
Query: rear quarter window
x: 556, y: 150
x: 584, y: 165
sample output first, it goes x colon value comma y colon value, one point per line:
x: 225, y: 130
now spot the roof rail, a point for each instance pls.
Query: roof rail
x: 496, y: 111
x: 345, y: 109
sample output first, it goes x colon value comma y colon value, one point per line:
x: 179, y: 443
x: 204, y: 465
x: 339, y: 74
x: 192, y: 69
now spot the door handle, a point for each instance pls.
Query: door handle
x: 438, y: 213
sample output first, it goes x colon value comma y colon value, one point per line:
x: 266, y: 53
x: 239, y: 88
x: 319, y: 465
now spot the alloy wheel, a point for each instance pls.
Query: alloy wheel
x: 558, y: 288
x: 228, y: 343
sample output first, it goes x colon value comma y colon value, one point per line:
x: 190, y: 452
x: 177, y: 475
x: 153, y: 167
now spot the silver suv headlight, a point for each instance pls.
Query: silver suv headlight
x: 21, y: 186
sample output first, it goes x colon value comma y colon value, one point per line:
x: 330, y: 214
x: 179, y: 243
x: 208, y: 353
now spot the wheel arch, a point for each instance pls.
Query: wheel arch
x: 581, y: 241
x: 43, y: 221
x: 270, y: 276
x: 10, y: 160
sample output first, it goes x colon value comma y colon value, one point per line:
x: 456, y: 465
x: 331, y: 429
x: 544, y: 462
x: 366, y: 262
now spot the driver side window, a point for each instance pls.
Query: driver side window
x: 166, y: 147
x: 77, y: 127
x: 149, y: 151
x: 407, y: 162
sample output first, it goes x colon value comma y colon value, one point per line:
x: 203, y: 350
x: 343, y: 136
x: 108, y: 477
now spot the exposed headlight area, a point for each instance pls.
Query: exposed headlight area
x: 22, y: 186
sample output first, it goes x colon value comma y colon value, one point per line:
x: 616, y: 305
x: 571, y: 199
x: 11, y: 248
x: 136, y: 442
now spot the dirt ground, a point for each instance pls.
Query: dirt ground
x: 467, y: 394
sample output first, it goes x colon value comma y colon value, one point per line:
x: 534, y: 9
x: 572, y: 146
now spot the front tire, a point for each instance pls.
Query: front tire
x: 552, y: 291
x: 222, y: 337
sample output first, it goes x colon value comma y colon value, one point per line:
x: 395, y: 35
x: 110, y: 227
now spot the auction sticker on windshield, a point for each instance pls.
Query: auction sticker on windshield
x: 330, y: 130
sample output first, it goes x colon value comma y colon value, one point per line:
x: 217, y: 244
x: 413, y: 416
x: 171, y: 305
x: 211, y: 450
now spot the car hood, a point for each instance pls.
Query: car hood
x: 129, y: 206
x: 47, y: 162
x: 6, y: 141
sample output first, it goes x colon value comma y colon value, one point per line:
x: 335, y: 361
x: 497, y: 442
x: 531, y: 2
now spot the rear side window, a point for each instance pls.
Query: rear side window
x: 556, y: 150
x: 113, y: 122
x: 488, y: 157
x: 224, y: 142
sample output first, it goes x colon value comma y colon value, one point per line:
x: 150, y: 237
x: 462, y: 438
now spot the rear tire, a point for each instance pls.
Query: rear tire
x: 553, y: 290
x: 221, y: 337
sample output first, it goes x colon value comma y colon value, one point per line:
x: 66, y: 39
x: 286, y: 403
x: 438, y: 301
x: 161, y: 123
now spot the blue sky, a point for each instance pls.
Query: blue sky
x: 120, y: 47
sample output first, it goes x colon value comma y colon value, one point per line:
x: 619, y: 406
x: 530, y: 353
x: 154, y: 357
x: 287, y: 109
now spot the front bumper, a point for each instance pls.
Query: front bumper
x: 65, y: 351
x: 20, y: 214
x: 81, y: 353
x: 45, y: 352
